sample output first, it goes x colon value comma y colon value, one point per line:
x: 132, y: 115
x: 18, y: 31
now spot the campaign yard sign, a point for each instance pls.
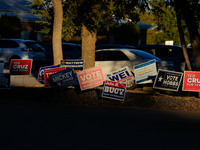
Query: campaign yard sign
x: 191, y: 81
x: 20, y: 67
x: 168, y: 80
x: 145, y: 71
x: 90, y: 78
x: 114, y: 90
x: 64, y: 78
x: 41, y: 72
x: 1, y: 66
x: 48, y: 72
x: 75, y: 64
x: 121, y: 75
x: 4, y: 80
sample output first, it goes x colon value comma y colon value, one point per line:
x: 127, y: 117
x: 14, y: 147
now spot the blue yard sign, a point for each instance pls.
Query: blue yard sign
x: 114, y: 90
x: 4, y: 80
x: 41, y: 72
x: 75, y: 64
x: 145, y: 71
x: 64, y: 78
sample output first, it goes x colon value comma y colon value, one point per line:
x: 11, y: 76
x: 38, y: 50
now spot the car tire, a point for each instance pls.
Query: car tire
x: 131, y: 85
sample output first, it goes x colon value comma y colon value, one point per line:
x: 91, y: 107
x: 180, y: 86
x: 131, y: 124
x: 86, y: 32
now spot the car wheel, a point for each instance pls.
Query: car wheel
x: 131, y: 85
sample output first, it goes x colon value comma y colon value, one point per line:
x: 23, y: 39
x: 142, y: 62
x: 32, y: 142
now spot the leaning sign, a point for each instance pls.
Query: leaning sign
x: 20, y: 67
x: 4, y: 80
x: 90, y: 78
x: 191, y: 81
x: 121, y: 75
x: 168, y: 80
x: 64, y: 78
x: 75, y: 64
x: 48, y: 72
x: 145, y: 71
x: 41, y: 72
x: 114, y: 90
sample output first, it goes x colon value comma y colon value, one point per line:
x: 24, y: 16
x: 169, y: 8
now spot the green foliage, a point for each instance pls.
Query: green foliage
x: 94, y: 14
x: 127, y: 33
x: 162, y: 17
x: 10, y: 27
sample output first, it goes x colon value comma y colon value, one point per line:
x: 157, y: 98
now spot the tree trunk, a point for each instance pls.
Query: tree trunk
x: 182, y: 39
x: 57, y: 32
x: 88, y: 47
x: 191, y: 22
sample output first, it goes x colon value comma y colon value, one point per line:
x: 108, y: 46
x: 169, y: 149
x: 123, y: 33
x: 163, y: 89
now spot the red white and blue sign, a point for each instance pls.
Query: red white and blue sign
x: 48, y: 72
x: 191, y: 81
x: 121, y: 75
x: 64, y: 78
x: 114, y: 90
x: 41, y: 72
x: 20, y: 67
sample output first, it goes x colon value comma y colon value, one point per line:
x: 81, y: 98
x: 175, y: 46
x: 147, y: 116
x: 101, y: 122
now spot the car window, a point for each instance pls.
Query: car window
x: 66, y: 47
x: 110, y: 56
x: 34, y: 46
x: 8, y: 44
x: 145, y: 55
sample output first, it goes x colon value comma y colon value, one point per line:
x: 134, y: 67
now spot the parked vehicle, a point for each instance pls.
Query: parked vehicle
x: 70, y: 51
x: 114, y: 59
x: 169, y: 53
x: 110, y: 46
x: 21, y: 49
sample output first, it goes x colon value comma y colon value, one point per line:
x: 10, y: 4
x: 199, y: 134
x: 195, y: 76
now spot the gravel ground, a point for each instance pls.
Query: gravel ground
x: 167, y: 101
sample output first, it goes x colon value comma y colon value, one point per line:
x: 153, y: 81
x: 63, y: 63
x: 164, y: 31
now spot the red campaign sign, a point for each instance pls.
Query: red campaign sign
x: 20, y: 67
x: 48, y: 72
x: 191, y: 81
x: 90, y: 78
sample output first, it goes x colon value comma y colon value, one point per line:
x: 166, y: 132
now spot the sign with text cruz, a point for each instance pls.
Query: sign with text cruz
x: 90, y: 78
x: 121, y: 75
x: 168, y: 80
x: 64, y: 78
x: 145, y: 71
x: 75, y: 64
x: 20, y: 67
x: 191, y: 81
x: 41, y: 72
x: 114, y: 90
x: 48, y: 72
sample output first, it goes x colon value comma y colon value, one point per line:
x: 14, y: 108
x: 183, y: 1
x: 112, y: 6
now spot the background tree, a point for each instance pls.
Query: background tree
x: 10, y: 27
x: 89, y: 17
x: 163, y: 19
x: 57, y: 31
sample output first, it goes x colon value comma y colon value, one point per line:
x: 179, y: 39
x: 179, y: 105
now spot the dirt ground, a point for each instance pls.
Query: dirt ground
x: 167, y: 101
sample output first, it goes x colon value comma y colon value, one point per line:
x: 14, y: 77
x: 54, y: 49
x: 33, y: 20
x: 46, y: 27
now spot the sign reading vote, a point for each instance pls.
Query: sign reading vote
x: 75, y: 64
x: 41, y: 72
x: 121, y: 75
x: 64, y: 78
x: 4, y: 80
x: 145, y: 71
x: 20, y: 67
x: 48, y: 72
x: 90, y: 78
x: 114, y: 90
x: 191, y: 81
x: 168, y: 80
